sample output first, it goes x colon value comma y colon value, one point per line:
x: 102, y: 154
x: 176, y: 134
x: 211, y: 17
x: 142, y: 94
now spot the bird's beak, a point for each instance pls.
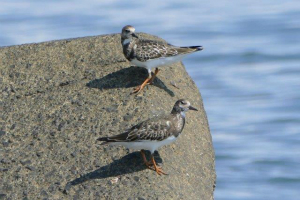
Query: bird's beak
x: 134, y: 35
x: 192, y: 108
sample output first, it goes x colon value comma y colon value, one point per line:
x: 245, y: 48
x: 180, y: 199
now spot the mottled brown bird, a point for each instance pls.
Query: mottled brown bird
x: 153, y: 133
x: 151, y: 53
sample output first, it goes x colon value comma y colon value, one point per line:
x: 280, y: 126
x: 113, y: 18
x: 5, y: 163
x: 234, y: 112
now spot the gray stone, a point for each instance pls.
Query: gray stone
x: 5, y: 161
x: 58, y: 97
x: 3, y: 169
x: 25, y: 162
x: 31, y: 168
x: 136, y: 178
x: 5, y: 144
x: 2, y: 196
x: 127, y: 117
x: 2, y: 133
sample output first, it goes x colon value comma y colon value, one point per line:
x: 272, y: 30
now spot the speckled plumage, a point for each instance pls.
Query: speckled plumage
x: 151, y: 53
x: 144, y: 50
x: 153, y: 133
x: 155, y: 129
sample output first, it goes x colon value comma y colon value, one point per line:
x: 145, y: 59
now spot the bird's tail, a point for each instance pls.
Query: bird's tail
x: 116, y: 138
x: 190, y: 49
x: 196, y: 48
x: 104, y: 140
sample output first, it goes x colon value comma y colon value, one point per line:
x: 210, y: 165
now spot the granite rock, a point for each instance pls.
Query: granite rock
x: 58, y: 97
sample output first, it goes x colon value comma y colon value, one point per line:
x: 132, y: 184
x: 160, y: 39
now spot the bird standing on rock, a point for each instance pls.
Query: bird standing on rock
x: 151, y: 53
x: 153, y: 133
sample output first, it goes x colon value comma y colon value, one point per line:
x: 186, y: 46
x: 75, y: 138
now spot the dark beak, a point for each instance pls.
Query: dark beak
x: 192, y: 108
x: 134, y: 35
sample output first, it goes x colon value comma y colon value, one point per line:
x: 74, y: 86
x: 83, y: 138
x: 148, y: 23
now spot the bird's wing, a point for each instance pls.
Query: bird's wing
x: 186, y: 50
x: 149, y: 49
x: 153, y: 129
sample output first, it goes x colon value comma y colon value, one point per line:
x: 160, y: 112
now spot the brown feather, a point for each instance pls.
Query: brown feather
x: 153, y: 129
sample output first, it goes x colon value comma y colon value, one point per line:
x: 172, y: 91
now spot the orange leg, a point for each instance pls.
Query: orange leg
x: 158, y: 170
x: 154, y: 75
x: 147, y: 163
x: 139, y: 88
x: 148, y: 80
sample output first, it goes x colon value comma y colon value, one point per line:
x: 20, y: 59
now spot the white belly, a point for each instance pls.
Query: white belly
x: 157, y: 62
x: 147, y: 144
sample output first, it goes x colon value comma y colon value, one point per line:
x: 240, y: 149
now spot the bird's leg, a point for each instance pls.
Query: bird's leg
x: 147, y: 163
x: 139, y: 88
x: 154, y: 75
x: 158, y: 170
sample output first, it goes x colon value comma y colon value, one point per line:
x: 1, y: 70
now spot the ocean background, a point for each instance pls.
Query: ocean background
x: 248, y: 73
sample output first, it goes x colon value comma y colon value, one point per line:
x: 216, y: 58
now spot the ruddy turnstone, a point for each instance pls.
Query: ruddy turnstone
x: 153, y: 133
x: 151, y: 53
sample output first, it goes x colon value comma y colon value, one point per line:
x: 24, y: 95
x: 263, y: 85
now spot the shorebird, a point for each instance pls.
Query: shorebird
x: 153, y: 133
x: 151, y: 53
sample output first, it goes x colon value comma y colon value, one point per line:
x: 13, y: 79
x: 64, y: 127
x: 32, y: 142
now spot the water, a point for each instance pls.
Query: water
x: 248, y: 74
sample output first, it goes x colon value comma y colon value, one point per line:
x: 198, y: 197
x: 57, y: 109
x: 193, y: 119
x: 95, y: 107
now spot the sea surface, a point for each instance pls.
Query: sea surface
x: 248, y: 73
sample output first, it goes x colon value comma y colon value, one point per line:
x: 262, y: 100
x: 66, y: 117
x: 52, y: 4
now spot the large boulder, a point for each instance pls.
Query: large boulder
x: 58, y: 97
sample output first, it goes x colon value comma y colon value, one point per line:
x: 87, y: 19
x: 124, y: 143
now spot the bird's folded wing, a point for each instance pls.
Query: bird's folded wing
x: 151, y: 130
x: 148, y: 49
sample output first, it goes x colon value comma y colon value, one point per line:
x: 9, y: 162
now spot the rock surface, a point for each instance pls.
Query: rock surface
x: 58, y: 97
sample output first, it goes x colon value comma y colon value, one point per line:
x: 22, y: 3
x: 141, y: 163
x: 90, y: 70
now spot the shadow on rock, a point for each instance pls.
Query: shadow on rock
x: 128, y: 164
x: 125, y: 78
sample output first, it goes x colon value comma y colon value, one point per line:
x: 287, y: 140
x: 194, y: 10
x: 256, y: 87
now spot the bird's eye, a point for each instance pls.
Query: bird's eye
x: 127, y: 31
x: 183, y: 102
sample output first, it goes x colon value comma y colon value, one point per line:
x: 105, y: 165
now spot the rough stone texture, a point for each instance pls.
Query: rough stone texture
x: 58, y: 97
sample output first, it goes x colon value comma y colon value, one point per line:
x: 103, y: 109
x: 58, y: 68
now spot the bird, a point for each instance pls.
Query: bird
x: 153, y: 133
x: 151, y: 53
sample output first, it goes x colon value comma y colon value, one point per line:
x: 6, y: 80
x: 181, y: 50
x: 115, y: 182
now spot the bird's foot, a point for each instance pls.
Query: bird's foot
x: 148, y: 80
x: 156, y: 168
x: 141, y: 87
x: 159, y: 170
x: 137, y: 89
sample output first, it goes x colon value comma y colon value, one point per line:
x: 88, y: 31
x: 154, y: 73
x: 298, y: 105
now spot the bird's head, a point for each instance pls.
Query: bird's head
x: 181, y: 106
x: 128, y: 32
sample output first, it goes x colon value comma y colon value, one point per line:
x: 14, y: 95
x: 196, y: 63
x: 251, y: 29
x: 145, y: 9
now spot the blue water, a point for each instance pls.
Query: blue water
x: 248, y: 74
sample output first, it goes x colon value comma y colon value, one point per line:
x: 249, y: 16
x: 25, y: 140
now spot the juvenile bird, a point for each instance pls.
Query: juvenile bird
x: 153, y: 133
x: 151, y: 53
